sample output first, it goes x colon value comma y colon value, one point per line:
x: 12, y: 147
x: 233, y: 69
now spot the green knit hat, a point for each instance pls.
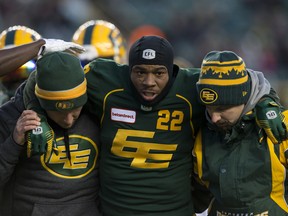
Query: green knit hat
x: 223, y: 79
x: 60, y: 82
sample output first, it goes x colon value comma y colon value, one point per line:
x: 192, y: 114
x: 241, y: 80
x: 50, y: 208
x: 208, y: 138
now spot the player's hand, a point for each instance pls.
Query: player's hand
x: 26, y: 122
x: 270, y: 118
x: 57, y: 45
x: 41, y: 140
x: 89, y: 54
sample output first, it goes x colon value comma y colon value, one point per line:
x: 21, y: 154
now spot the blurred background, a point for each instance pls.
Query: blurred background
x: 257, y: 30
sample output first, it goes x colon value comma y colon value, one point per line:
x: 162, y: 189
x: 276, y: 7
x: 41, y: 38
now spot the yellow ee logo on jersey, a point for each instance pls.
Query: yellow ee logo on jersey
x: 145, y: 155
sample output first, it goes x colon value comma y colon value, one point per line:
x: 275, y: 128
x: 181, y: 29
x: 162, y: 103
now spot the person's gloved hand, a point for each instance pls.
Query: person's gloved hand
x: 41, y: 140
x: 89, y: 54
x: 270, y: 118
x: 57, y: 45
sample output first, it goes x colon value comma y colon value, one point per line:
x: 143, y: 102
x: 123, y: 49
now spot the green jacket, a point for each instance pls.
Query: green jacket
x: 246, y: 174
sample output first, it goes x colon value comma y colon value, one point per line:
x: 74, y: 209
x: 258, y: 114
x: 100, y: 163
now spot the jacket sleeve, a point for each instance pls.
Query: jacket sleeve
x: 201, y: 195
x: 273, y: 94
x: 283, y: 147
x: 9, y: 157
x: 9, y: 149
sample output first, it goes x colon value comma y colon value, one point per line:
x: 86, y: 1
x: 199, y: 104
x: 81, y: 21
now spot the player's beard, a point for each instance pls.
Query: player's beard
x: 224, y: 125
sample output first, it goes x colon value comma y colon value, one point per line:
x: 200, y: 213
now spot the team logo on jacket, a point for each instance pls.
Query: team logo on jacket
x: 208, y: 96
x: 123, y: 115
x: 83, y: 152
x: 149, y: 54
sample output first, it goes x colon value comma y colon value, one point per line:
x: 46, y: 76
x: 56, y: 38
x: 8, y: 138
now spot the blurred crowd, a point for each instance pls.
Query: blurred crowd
x: 255, y: 29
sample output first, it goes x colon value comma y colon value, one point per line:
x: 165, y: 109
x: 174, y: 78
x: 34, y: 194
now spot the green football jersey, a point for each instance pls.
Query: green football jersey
x: 146, y: 152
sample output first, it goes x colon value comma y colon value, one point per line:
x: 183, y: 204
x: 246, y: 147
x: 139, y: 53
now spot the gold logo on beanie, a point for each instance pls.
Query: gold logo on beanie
x: 223, y: 79
x: 208, y: 96
x: 64, y: 105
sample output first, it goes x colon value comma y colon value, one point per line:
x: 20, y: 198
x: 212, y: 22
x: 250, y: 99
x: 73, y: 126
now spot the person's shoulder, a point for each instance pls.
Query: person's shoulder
x: 14, y: 106
x: 106, y: 75
x: 101, y: 65
x: 188, y: 75
x: 185, y: 83
x: 9, y: 111
x: 190, y: 71
x: 106, y: 62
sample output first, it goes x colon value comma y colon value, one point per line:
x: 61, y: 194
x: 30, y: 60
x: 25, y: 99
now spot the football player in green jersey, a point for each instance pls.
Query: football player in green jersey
x: 149, y: 114
x: 246, y: 173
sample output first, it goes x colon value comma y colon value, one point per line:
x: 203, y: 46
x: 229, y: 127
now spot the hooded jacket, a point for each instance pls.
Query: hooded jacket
x: 32, y: 187
x: 245, y: 172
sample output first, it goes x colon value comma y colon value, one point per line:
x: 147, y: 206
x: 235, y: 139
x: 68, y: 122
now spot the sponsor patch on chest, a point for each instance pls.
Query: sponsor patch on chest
x: 123, y: 115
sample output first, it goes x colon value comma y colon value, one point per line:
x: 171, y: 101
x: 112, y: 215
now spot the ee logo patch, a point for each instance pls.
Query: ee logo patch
x: 208, y: 96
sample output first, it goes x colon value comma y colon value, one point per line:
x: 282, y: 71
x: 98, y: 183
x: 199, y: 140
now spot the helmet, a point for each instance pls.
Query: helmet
x: 101, y: 39
x: 15, y: 36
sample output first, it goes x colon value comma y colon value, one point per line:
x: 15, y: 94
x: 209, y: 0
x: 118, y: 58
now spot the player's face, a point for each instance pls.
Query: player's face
x: 64, y: 119
x: 149, y: 80
x: 225, y: 116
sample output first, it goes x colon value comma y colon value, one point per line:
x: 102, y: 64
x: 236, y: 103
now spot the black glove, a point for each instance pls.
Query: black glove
x: 41, y: 140
x: 270, y: 118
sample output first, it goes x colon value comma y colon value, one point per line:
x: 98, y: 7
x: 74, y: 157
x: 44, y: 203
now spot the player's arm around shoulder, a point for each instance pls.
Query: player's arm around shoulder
x: 284, y: 145
x: 105, y: 75
x: 197, y: 154
x: 201, y: 195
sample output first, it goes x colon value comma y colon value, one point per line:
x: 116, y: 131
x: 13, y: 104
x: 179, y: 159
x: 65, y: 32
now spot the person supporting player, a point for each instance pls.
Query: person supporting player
x: 244, y: 170
x: 64, y: 180
x: 149, y: 115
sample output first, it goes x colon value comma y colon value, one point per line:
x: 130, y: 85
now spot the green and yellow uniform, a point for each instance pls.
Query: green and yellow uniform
x: 246, y: 175
x: 145, y: 157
